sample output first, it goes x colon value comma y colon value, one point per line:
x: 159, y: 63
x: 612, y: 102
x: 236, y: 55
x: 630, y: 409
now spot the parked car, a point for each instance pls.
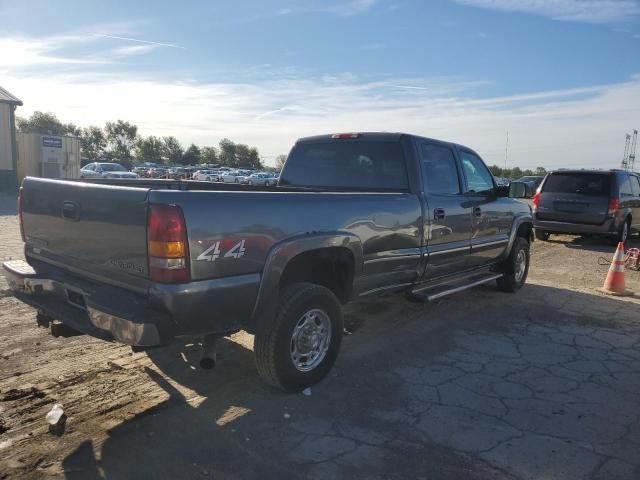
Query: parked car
x: 180, y: 173
x: 205, y: 175
x: 159, y: 172
x: 533, y: 180
x: 502, y: 182
x: 262, y: 178
x: 106, y: 170
x: 230, y: 177
x: 587, y: 202
x: 144, y: 263
x: 141, y: 171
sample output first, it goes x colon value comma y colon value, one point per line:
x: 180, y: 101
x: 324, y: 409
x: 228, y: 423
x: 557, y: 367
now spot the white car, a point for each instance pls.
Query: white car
x: 265, y: 179
x: 230, y: 177
x: 106, y: 170
x: 205, y: 175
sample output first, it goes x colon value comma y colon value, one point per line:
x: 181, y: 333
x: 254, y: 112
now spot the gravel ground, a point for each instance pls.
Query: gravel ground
x: 544, y: 383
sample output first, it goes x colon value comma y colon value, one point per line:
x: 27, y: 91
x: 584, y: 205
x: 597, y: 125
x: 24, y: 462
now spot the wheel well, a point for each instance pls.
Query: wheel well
x: 525, y: 230
x: 330, y: 267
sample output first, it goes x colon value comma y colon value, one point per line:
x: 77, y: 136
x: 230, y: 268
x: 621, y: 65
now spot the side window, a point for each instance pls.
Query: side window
x: 439, y: 171
x: 625, y: 186
x: 479, y: 178
x: 90, y: 167
x: 635, y: 185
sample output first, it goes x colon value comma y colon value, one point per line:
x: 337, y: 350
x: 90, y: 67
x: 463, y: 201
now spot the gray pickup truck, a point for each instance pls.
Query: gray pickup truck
x: 144, y: 261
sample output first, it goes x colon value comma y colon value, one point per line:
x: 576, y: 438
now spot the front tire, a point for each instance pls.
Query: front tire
x: 516, y: 267
x: 300, y: 346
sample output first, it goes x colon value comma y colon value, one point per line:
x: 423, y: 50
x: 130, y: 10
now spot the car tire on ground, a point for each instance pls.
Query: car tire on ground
x: 515, y: 267
x: 540, y: 235
x: 623, y: 233
x: 300, y: 346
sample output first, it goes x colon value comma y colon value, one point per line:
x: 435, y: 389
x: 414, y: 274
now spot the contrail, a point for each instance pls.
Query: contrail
x: 140, y: 41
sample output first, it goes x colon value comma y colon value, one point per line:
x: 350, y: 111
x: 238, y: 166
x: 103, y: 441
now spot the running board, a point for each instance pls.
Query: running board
x: 429, y: 293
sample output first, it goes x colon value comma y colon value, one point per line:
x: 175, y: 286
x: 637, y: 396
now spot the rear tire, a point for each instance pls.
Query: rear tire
x: 516, y: 267
x: 540, y: 235
x: 623, y: 233
x: 300, y: 346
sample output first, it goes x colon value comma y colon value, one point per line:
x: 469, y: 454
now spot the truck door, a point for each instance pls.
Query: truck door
x: 491, y: 216
x: 447, y: 217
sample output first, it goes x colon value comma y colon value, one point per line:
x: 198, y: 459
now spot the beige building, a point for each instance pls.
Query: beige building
x: 49, y: 156
x: 8, y: 146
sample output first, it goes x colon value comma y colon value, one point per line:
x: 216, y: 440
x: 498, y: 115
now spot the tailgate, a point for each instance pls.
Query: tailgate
x: 98, y: 229
x: 575, y: 198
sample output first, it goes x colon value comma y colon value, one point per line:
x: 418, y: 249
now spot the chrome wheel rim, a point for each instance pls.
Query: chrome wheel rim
x: 310, y: 340
x: 520, y: 266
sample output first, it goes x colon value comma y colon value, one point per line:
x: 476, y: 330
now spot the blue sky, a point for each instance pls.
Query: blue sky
x: 561, y: 76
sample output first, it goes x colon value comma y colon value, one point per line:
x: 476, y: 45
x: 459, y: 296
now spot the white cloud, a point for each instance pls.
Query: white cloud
x: 25, y: 52
x: 576, y: 127
x: 592, y: 11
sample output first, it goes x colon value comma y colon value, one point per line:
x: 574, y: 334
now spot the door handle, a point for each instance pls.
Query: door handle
x: 439, y: 214
x: 477, y: 211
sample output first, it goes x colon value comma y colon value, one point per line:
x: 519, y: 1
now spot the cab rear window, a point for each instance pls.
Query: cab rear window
x: 580, y: 183
x: 347, y: 165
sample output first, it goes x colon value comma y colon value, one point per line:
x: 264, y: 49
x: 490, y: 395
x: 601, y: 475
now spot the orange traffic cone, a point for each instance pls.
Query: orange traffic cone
x: 614, y: 284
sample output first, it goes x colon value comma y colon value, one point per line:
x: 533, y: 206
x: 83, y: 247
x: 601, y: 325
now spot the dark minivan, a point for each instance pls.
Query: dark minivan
x: 586, y: 202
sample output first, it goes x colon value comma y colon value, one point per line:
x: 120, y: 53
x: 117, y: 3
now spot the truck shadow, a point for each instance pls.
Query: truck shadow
x: 593, y: 244
x: 367, y: 419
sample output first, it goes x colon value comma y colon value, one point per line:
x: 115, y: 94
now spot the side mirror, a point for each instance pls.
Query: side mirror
x: 520, y: 190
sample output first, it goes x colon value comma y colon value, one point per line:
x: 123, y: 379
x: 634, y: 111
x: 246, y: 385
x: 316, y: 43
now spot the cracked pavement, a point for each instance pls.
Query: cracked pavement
x: 543, y: 384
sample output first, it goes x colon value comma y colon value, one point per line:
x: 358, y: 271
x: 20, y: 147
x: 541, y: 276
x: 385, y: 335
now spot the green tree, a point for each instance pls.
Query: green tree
x: 541, y: 171
x: 173, y: 149
x: 93, y: 143
x: 280, y: 159
x: 191, y: 155
x: 122, y: 139
x: 247, y: 157
x: 516, y: 172
x: 227, y: 153
x: 150, y: 149
x: 46, y: 124
x: 209, y: 155
x: 72, y: 129
x: 495, y: 170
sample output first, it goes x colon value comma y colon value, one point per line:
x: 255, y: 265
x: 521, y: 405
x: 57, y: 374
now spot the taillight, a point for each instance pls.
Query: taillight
x: 20, y: 218
x: 167, y: 245
x: 536, y: 200
x: 614, y: 205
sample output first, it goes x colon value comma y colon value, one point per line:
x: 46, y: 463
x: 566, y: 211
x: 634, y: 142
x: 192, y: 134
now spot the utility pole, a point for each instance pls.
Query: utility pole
x: 625, y: 160
x: 506, y: 153
x: 632, y: 151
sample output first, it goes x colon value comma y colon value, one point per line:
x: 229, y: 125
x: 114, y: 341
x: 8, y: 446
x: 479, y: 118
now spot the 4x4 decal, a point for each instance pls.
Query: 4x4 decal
x: 212, y: 253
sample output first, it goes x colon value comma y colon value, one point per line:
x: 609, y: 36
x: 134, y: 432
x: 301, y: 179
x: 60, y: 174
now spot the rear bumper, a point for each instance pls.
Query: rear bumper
x: 90, y: 315
x: 215, y: 306
x: 609, y: 227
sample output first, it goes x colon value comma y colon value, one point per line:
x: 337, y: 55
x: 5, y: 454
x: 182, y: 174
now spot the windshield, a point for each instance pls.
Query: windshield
x: 577, y: 182
x: 112, y: 167
x: 361, y: 165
